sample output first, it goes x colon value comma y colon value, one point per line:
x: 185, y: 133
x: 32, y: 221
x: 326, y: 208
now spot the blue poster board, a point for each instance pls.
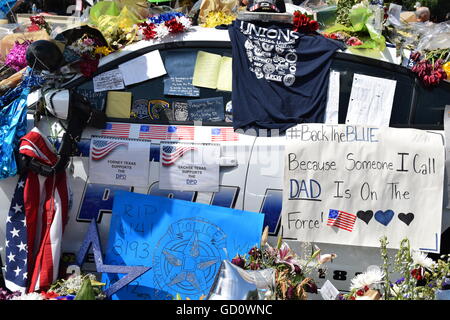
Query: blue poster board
x: 184, y: 243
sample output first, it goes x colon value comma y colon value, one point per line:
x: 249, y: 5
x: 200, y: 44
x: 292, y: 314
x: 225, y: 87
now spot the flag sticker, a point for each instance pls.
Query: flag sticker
x: 341, y: 219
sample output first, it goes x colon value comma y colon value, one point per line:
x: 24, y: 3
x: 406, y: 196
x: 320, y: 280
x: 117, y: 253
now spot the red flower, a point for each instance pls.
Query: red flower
x: 88, y: 66
x: 33, y: 27
x: 360, y: 292
x: 238, y: 261
x: 304, y: 24
x: 366, y: 288
x: 49, y: 295
x: 417, y: 273
x: 354, y: 41
x: 174, y: 26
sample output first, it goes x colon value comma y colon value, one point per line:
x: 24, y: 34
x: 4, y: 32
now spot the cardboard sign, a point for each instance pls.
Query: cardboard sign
x: 352, y: 185
x: 184, y: 243
x: 189, y: 166
x: 209, y: 109
x: 119, y: 161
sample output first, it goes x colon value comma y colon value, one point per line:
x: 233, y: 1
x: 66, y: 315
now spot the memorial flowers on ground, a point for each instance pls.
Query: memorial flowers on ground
x: 421, y: 278
x: 294, y: 275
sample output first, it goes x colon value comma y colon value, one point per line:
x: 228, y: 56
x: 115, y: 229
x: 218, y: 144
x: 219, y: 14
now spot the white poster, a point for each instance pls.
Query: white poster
x: 189, y: 166
x: 371, y: 101
x: 332, y: 110
x: 447, y: 151
x: 352, y: 185
x: 110, y: 80
x: 119, y: 161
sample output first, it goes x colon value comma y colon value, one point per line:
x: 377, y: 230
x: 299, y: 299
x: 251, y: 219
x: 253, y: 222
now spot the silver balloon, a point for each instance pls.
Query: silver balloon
x: 234, y: 283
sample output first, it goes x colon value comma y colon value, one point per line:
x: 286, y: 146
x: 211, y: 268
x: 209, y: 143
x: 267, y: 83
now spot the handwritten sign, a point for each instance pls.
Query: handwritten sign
x: 189, y: 166
x: 209, y: 109
x: 180, y: 70
x: 353, y: 184
x: 96, y: 99
x: 119, y: 161
x: 184, y: 243
x: 110, y: 80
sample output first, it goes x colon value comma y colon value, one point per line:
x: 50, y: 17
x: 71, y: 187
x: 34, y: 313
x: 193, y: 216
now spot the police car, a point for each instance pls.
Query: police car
x: 251, y: 172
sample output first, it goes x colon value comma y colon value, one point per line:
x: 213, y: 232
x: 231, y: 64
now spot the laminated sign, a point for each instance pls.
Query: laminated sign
x: 351, y: 185
x: 119, y: 161
x: 189, y: 166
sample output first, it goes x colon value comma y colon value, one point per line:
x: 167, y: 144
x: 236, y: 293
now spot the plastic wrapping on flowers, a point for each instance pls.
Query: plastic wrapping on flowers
x: 362, y: 29
x: 16, y: 58
x: 118, y: 27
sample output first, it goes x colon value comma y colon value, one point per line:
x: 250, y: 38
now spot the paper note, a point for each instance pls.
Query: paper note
x: 206, y: 70
x: 328, y: 291
x: 371, y: 101
x: 118, y: 104
x: 189, y: 166
x: 209, y: 109
x: 143, y: 68
x: 332, y: 110
x: 224, y: 79
x: 184, y: 242
x: 110, y: 80
x: 119, y: 161
x: 180, y: 71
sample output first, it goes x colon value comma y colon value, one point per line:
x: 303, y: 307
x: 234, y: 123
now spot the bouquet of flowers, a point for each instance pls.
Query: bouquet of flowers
x: 302, y: 23
x: 430, y: 66
x: 39, y: 23
x: 421, y: 278
x: 293, y: 274
x: 160, y: 26
x: 16, y: 58
x: 89, y: 50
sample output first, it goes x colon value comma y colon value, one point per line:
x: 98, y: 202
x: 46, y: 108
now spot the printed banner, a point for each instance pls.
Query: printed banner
x: 184, y: 243
x: 352, y: 185
x: 119, y: 161
x: 189, y: 166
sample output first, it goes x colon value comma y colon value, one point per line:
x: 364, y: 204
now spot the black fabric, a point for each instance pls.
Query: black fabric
x: 280, y: 77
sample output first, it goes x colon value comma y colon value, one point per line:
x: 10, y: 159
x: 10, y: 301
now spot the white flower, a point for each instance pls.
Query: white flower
x: 161, y: 31
x: 368, y: 278
x: 420, y: 258
x: 185, y: 21
x: 29, y: 296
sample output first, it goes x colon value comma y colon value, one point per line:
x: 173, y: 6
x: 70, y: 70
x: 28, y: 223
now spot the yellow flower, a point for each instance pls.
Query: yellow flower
x: 447, y: 69
x: 103, y: 50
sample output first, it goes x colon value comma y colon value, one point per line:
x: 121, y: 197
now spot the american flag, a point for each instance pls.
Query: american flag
x: 117, y: 130
x: 170, y: 154
x: 341, y: 219
x: 223, y: 134
x: 152, y: 132
x: 35, y: 222
x: 101, y: 148
x: 180, y: 133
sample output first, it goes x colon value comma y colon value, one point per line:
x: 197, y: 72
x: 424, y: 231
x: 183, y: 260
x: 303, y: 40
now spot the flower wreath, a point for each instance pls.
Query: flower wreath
x: 158, y: 27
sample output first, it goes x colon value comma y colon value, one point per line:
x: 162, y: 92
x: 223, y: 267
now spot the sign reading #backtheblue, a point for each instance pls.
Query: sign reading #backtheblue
x: 184, y: 243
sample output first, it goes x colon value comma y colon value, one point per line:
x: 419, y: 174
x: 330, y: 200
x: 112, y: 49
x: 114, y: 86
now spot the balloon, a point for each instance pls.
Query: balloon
x: 44, y: 55
x: 234, y: 283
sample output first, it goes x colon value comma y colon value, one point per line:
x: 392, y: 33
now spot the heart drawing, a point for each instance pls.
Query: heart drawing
x: 365, y: 216
x: 407, y: 218
x: 384, y: 217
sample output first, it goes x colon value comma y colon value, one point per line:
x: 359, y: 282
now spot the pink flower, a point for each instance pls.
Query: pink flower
x: 354, y: 41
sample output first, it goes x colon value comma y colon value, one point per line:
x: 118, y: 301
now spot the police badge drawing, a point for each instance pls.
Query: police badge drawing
x: 183, y: 242
x: 119, y: 161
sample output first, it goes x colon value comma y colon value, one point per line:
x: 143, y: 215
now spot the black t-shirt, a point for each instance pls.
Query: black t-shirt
x: 280, y: 77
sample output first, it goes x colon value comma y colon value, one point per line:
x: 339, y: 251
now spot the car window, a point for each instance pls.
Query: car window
x: 403, y: 91
x: 151, y: 105
x: 430, y: 106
